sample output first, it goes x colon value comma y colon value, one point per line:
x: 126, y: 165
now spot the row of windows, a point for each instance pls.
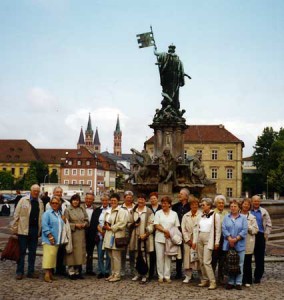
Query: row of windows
x: 81, y: 172
x: 229, y: 173
x: 21, y: 170
x: 79, y: 163
x: 89, y: 182
x: 214, y: 154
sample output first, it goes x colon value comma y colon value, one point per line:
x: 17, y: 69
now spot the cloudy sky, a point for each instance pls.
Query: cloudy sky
x: 61, y: 59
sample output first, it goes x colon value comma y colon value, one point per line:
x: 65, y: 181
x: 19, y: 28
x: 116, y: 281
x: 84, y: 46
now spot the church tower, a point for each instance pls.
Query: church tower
x: 89, y: 136
x: 81, y: 141
x: 97, y: 144
x: 117, y: 139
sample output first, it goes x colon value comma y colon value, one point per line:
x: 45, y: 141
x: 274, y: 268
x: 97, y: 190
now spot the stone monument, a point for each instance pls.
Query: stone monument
x: 167, y: 172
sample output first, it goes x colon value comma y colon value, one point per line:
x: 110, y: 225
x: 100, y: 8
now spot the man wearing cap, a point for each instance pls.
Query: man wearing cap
x: 128, y: 205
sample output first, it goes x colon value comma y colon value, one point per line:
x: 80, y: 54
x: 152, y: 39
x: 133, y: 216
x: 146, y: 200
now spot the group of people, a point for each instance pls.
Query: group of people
x: 198, y: 239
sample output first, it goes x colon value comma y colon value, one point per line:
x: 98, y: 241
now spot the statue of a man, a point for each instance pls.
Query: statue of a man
x: 167, y: 167
x: 171, y: 75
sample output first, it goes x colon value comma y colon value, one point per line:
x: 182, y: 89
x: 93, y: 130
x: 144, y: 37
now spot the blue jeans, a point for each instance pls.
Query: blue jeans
x: 238, y: 280
x: 27, y: 241
x: 103, y: 265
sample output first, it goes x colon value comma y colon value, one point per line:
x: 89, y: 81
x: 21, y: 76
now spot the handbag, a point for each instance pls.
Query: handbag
x: 141, y: 263
x: 121, y: 242
x: 12, y: 249
x: 233, y: 262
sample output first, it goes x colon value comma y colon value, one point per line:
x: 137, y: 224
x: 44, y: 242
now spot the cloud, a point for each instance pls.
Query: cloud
x: 42, y: 100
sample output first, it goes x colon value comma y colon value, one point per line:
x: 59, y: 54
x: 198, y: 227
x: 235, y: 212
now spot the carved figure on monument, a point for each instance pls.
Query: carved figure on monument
x: 198, y: 172
x: 167, y: 167
x: 171, y: 76
x: 141, y: 174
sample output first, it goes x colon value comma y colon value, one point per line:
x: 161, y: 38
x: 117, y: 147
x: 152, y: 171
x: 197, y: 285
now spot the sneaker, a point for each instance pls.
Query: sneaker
x: 203, y: 283
x: 114, y: 279
x: 144, y: 280
x: 160, y: 280
x: 168, y: 280
x: 186, y: 279
x: 247, y: 285
x: 19, y: 276
x: 135, y: 278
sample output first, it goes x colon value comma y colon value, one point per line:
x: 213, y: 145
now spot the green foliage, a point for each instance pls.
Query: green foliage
x: 30, y: 178
x: 41, y: 170
x: 119, y: 182
x: 269, y: 158
x: 53, y: 177
x: 6, y: 180
x: 261, y: 155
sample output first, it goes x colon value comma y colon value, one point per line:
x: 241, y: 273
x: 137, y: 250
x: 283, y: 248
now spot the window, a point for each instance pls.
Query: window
x: 66, y: 171
x: 230, y: 155
x: 74, y: 171
x: 79, y: 162
x: 13, y: 171
x: 89, y: 182
x: 214, y: 174
x: 185, y: 154
x: 4, y: 169
x: 70, y: 162
x: 82, y: 172
x: 214, y: 155
x: 199, y: 151
x: 66, y: 181
x: 21, y: 171
x: 229, y: 192
x: 81, y: 181
x: 74, y: 181
x: 90, y: 172
x: 229, y: 173
x: 88, y: 163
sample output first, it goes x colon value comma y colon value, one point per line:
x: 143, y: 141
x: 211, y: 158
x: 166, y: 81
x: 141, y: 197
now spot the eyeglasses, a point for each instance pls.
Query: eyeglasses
x: 54, y: 203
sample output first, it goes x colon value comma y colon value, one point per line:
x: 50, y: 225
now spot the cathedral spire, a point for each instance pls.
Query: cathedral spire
x: 81, y: 141
x: 89, y: 126
x: 117, y: 128
x: 117, y: 139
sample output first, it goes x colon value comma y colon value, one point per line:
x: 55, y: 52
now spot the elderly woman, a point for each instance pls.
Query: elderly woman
x: 52, y: 224
x: 115, y: 225
x: 250, y: 240
x: 219, y: 256
x: 189, y: 222
x: 141, y: 224
x: 78, y: 220
x: 235, y: 228
x: 165, y: 219
x: 207, y: 238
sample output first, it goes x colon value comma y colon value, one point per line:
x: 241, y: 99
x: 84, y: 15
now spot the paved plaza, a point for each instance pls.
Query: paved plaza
x: 272, y: 286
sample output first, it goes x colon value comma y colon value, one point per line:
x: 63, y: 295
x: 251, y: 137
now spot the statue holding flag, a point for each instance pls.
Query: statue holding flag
x: 171, y: 72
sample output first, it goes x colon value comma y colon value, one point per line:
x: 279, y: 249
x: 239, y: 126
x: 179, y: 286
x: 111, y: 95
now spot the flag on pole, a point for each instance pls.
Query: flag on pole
x: 145, y: 39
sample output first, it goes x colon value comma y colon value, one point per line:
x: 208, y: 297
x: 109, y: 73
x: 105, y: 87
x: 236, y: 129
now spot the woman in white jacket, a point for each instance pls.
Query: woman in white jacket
x: 250, y: 241
x: 207, y: 238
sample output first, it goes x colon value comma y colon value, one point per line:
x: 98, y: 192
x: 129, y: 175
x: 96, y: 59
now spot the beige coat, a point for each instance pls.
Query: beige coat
x: 146, y: 225
x: 77, y: 215
x: 118, y: 219
x: 188, y: 224
x: 252, y: 231
x: 217, y: 233
x: 21, y: 220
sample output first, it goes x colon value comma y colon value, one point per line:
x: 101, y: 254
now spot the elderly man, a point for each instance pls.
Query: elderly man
x: 264, y: 226
x: 128, y: 205
x: 27, y: 225
x: 181, y: 208
x: 91, y: 233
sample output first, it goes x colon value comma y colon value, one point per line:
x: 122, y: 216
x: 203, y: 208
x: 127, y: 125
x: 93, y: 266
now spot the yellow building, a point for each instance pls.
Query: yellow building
x: 221, y: 155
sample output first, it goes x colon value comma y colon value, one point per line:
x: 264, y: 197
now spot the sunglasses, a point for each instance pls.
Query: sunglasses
x: 54, y: 203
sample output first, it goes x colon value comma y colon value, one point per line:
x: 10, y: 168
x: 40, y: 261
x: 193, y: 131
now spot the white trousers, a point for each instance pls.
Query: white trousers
x: 163, y: 261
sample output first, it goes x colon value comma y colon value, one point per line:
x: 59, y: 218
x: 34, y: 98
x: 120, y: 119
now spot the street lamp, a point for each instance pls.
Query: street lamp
x: 44, y: 181
x: 267, y: 187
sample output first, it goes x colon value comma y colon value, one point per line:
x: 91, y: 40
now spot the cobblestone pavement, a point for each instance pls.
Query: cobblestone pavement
x: 92, y: 288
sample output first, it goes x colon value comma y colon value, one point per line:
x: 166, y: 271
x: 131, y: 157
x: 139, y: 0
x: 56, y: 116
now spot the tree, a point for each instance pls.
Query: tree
x: 261, y: 155
x: 6, y: 180
x: 41, y: 169
x: 53, y: 177
x: 30, y: 178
